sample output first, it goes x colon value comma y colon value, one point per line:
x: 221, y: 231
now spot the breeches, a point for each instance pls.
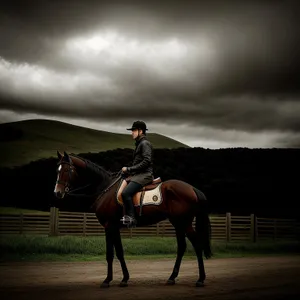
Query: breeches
x: 130, y: 190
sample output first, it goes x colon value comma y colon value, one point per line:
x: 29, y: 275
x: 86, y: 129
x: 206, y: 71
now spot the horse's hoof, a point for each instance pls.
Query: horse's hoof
x: 170, y: 282
x: 104, y: 285
x: 199, y: 284
x: 123, y: 284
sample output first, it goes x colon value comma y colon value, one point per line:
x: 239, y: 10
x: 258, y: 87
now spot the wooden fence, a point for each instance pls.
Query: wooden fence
x: 224, y: 227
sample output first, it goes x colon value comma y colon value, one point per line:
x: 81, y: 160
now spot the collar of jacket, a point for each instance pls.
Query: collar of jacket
x: 139, y: 139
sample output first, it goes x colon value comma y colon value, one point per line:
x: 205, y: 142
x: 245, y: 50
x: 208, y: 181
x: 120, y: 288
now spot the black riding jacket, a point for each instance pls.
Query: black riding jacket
x: 142, y: 157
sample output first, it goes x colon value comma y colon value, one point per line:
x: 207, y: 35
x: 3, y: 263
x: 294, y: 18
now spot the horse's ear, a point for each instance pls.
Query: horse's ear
x: 59, y: 155
x: 67, y: 156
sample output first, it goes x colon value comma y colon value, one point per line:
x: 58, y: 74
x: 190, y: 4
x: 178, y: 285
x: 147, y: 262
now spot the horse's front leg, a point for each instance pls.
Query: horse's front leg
x: 109, y: 256
x: 120, y: 255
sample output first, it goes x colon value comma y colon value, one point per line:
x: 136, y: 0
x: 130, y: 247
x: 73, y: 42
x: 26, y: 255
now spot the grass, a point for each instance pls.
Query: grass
x: 41, y: 139
x: 75, y: 248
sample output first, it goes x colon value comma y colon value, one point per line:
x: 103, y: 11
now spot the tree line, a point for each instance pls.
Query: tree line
x: 236, y: 180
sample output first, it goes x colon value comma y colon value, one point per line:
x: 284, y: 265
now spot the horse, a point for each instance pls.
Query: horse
x: 175, y: 200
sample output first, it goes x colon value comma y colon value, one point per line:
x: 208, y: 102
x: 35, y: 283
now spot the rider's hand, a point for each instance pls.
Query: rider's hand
x: 124, y: 169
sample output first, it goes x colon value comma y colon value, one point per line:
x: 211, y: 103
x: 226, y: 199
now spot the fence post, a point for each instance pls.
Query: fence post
x: 228, y: 227
x: 53, y: 221
x: 56, y: 231
x: 84, y: 224
x: 253, y: 228
x: 21, y: 222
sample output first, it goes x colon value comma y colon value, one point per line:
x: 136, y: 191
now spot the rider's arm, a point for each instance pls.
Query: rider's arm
x: 146, y: 152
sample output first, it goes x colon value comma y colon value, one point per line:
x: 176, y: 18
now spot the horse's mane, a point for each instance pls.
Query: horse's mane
x: 93, y: 167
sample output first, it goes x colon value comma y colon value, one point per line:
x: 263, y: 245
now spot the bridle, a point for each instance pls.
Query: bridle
x: 66, y: 184
x: 68, y: 190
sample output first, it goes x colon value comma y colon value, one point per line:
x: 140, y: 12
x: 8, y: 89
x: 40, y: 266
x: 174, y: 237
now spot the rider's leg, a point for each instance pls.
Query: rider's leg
x: 127, y: 196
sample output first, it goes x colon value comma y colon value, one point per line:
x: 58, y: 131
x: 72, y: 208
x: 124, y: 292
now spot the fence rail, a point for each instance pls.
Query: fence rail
x: 224, y: 227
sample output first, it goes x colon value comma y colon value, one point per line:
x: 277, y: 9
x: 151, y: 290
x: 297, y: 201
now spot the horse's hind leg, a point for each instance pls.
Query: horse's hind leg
x: 181, y: 247
x: 196, y: 242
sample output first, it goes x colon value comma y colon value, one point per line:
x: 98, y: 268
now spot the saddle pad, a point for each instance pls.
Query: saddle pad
x: 153, y: 197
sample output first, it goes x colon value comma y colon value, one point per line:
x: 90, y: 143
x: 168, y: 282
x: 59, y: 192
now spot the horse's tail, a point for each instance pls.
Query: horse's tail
x: 203, y: 226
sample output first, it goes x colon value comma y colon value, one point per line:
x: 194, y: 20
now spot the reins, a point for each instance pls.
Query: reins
x: 70, y: 193
x: 119, y: 177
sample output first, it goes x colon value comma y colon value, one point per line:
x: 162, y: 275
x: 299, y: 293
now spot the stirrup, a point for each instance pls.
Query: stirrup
x: 128, y: 221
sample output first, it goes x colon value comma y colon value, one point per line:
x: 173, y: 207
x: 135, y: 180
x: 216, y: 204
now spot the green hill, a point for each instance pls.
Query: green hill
x: 25, y: 141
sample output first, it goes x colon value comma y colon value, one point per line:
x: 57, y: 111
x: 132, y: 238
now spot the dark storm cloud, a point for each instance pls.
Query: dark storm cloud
x: 221, y: 114
x: 225, y: 65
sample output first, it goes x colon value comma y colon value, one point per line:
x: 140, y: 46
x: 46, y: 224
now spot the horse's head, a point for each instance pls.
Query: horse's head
x: 66, y: 175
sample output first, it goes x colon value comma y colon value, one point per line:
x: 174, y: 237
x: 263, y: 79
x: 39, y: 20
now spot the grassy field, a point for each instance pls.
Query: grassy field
x: 41, y: 139
x: 71, y: 248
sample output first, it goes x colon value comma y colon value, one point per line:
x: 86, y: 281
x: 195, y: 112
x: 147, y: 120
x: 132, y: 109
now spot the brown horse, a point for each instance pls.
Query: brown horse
x: 175, y: 200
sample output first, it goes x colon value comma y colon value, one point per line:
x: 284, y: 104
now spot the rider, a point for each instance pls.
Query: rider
x: 141, y: 171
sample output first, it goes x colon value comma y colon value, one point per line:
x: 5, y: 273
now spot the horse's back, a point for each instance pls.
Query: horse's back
x: 176, y: 189
x: 176, y: 183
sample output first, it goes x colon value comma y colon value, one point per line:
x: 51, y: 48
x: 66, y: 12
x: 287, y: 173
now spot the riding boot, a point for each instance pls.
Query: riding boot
x: 129, y: 217
x: 127, y: 196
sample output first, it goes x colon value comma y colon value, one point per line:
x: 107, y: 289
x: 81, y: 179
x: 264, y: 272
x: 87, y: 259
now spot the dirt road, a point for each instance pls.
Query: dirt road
x: 231, y: 278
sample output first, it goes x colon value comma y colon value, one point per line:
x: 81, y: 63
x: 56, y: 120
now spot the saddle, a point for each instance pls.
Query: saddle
x: 152, y: 185
x: 148, y: 195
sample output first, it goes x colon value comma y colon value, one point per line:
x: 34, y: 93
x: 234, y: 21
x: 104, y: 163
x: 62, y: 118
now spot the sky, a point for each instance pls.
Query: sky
x: 211, y: 74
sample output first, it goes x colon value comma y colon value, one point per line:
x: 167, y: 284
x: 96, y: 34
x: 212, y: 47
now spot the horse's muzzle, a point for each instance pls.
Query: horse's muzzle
x: 59, y: 194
